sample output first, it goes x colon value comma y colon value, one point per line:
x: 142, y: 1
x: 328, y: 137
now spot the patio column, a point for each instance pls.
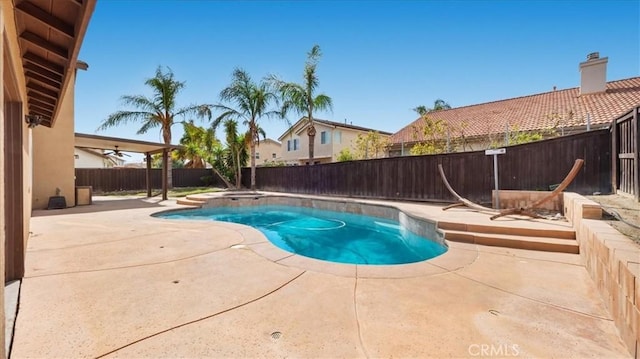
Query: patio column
x: 148, y: 174
x: 165, y: 173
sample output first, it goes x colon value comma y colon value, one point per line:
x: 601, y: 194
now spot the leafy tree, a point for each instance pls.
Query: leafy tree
x: 159, y: 110
x: 251, y: 102
x: 198, y: 148
x: 301, y: 98
x: 345, y: 155
x: 434, y: 133
x: 371, y: 145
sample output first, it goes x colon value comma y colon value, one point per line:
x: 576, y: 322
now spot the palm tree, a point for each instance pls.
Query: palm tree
x: 438, y: 105
x: 301, y: 97
x: 236, y: 156
x: 251, y: 103
x: 159, y: 110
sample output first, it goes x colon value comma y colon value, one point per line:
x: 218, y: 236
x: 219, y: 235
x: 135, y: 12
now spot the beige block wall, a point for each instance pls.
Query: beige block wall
x: 53, y: 161
x: 613, y: 262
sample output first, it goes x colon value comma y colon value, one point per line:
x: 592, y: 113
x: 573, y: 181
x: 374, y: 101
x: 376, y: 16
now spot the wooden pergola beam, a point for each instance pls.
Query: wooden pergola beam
x: 42, y: 90
x: 45, y: 80
x: 43, y: 72
x: 43, y: 105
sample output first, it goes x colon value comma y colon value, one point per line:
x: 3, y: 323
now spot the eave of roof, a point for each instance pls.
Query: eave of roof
x: 50, y: 33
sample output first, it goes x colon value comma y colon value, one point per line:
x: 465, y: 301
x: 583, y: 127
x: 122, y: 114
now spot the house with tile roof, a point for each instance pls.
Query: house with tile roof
x: 331, y: 138
x: 593, y: 105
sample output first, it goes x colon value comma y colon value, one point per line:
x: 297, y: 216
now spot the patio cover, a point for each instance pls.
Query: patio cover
x: 83, y: 140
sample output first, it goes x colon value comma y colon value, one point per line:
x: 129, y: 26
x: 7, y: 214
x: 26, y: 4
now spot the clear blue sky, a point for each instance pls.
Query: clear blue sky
x: 380, y: 58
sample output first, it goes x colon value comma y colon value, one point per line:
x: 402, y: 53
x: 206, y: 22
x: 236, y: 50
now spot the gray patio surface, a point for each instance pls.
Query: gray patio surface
x: 108, y: 280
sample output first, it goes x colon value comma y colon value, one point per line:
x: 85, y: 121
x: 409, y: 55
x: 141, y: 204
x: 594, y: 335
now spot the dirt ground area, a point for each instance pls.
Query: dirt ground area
x: 622, y: 213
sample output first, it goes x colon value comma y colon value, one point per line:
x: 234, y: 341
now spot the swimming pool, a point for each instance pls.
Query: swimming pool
x: 326, y: 235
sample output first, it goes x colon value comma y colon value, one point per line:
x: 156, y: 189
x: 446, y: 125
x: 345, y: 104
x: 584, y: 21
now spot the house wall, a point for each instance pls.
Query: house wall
x: 57, y: 143
x: 338, y: 138
x: 84, y: 159
x: 266, y: 149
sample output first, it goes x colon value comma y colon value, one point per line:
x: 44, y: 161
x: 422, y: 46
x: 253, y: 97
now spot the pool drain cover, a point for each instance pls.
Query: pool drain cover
x: 276, y: 335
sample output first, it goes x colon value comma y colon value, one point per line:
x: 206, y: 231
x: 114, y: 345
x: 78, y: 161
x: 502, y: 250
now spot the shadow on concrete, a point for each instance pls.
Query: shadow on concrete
x: 102, y: 204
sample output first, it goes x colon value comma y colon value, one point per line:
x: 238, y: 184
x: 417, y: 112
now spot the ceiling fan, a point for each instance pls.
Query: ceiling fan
x: 116, y: 152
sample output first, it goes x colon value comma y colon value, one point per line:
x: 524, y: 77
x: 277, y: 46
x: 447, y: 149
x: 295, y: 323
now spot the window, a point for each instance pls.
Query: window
x: 324, y: 139
x: 257, y: 155
x: 337, y: 137
x: 273, y: 155
x: 288, y: 145
x: 76, y: 156
x: 295, y: 144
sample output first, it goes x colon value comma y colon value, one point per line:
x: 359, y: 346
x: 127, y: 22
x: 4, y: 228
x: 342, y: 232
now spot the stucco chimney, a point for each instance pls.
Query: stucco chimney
x: 593, y: 74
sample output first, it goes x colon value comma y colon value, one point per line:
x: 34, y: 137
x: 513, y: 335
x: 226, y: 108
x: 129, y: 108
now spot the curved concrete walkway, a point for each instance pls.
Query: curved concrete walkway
x: 108, y: 280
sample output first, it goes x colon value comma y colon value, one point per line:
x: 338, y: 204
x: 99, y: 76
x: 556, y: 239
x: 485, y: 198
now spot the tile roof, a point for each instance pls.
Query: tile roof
x: 302, y: 122
x: 535, y: 112
x: 353, y: 127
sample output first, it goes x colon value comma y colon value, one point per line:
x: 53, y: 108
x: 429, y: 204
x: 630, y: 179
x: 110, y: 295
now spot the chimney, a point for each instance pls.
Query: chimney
x: 593, y: 74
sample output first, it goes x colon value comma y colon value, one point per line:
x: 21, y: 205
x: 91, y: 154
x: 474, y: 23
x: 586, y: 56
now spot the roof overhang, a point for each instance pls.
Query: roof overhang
x: 50, y: 33
x: 126, y: 145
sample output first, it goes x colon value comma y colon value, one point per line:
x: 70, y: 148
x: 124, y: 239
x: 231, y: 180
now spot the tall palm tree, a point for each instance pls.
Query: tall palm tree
x: 249, y: 102
x: 301, y: 98
x: 159, y: 110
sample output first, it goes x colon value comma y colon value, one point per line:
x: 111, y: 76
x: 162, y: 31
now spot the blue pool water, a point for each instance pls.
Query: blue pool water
x: 326, y: 235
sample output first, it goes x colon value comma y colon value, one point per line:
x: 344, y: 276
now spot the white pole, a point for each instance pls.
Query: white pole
x: 588, y: 122
x: 495, y: 175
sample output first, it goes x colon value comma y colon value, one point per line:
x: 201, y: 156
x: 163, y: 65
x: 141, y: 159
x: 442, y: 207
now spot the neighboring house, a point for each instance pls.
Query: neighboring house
x: 592, y: 105
x: 90, y: 158
x: 268, y: 151
x: 331, y: 138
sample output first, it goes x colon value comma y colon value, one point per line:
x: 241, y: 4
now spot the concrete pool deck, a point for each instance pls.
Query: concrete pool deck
x: 109, y: 280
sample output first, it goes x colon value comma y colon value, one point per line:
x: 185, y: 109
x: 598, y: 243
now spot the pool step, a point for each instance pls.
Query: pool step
x: 537, y: 243
x: 560, y: 232
x: 190, y: 201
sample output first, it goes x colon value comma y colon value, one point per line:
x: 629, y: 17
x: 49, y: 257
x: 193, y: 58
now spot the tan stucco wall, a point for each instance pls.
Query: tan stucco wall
x: 53, y: 161
x: 339, y: 139
x: 3, y: 13
x: 266, y: 149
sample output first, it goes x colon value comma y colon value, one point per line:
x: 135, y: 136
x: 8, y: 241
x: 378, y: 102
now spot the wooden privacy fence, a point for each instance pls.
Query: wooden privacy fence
x: 625, y: 156
x: 533, y: 166
x: 131, y: 179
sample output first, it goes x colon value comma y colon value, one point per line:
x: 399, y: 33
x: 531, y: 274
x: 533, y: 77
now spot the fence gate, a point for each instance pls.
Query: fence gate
x: 626, y: 154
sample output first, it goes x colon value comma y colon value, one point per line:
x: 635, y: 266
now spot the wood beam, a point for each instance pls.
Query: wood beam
x: 44, y: 44
x: 44, y: 63
x: 42, y: 90
x: 40, y: 111
x: 32, y: 94
x: 46, y: 73
x: 42, y: 79
x: 44, y: 17
x: 40, y: 104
